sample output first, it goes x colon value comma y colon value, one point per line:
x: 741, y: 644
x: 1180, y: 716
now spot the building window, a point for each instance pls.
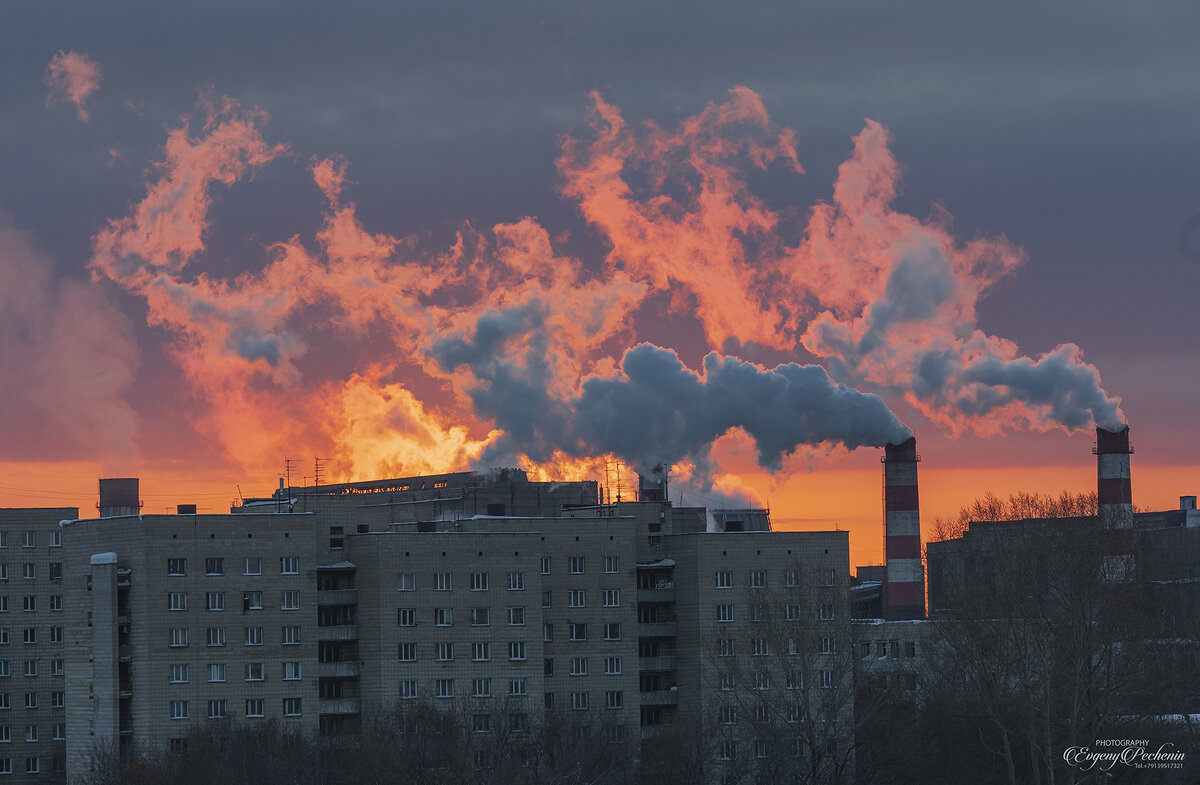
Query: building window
x: 254, y: 707
x: 179, y: 673
x: 762, y: 749
x: 55, y: 539
x: 289, y: 565
x: 759, y: 648
x: 4, y: 704
x: 216, y: 710
x: 826, y: 611
x: 612, y: 598
x: 4, y: 669
x: 442, y: 581
x: 55, y: 570
x: 577, y: 598
x: 408, y: 688
x: 724, y: 579
x: 612, y: 666
x: 578, y: 632
x: 729, y: 750
x: 575, y: 565
x: 254, y: 636
x: 407, y: 617
x: 795, y: 680
x: 214, y: 566
x: 792, y: 612
x: 830, y: 576
x: 31, y: 667
x: 827, y: 679
x: 516, y: 581
x: 214, y: 601
x: 443, y: 617
x: 30, y: 571
x: 910, y: 649
x: 4, y: 603
x: 548, y: 666
x: 445, y: 652
x: 5, y: 765
x: 518, y: 723
x: 179, y: 710
x: 545, y: 565
x: 725, y: 647
x: 614, y: 699
x: 612, y: 564
x: 176, y: 566
x: 179, y: 636
x: 481, y: 651
x: 545, y: 599
x: 254, y: 671
x: 252, y: 565
x: 56, y: 602
x: 481, y: 617
x: 216, y: 636
x: 482, y: 688
x: 724, y: 613
x: 3, y: 572
x: 516, y: 617
x: 290, y: 635
x: 727, y: 716
x: 479, y: 581
x: 579, y: 701
x: 291, y: 707
x: 757, y: 612
x: 579, y: 666
x: 30, y: 603
x: 408, y: 581
x: 252, y: 601
x: 216, y: 671
x: 407, y: 652
x: 481, y: 723
x: 547, y: 632
x: 516, y: 687
x: 290, y: 600
x: 30, y: 540
x: 762, y: 681
x: 445, y: 688
x: 791, y: 578
x: 758, y: 579
x: 56, y: 667
x: 828, y: 646
x: 612, y: 631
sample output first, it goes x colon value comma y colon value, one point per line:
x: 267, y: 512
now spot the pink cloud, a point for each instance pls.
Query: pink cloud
x: 72, y: 76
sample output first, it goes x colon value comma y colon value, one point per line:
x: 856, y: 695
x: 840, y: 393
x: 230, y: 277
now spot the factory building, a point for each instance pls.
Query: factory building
x: 511, y: 602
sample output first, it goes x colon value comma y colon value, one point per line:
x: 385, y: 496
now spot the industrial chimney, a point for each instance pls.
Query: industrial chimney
x: 119, y: 496
x: 1113, y: 494
x: 904, y: 582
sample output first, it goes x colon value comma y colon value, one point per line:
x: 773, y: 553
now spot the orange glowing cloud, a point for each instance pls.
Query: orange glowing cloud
x: 73, y: 77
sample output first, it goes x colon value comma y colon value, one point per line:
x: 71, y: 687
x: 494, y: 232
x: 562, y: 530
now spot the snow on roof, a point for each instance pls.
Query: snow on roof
x: 104, y: 558
x: 659, y: 563
x: 342, y: 565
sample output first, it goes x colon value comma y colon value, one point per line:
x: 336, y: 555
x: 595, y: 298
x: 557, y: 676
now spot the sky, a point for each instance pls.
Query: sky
x: 754, y: 243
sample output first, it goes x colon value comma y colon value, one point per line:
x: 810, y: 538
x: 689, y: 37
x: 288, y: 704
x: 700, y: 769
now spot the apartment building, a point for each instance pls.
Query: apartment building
x: 32, y: 620
x: 507, y: 601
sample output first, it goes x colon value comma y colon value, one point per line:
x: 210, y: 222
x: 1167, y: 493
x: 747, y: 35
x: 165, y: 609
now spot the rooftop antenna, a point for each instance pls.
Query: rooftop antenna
x: 317, y: 471
x: 287, y: 469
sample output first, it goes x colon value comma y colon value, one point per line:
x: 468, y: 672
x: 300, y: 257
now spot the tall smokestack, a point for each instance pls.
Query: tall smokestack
x: 904, y: 584
x: 1113, y: 494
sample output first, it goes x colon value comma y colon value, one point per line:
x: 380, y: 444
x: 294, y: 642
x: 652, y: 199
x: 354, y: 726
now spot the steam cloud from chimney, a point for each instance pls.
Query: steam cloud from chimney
x: 500, y: 345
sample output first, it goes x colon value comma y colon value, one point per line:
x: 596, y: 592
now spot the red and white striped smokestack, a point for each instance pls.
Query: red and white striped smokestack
x: 904, y: 584
x: 1113, y: 493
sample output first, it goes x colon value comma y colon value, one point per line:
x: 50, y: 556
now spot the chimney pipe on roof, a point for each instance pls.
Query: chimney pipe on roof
x: 904, y: 584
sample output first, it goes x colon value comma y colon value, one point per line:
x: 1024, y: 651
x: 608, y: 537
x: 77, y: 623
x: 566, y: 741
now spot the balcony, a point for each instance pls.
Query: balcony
x: 656, y: 595
x: 341, y: 706
x: 656, y: 629
x: 660, y: 698
x: 338, y: 632
x: 344, y: 670
x: 337, y: 597
x: 664, y: 663
x: 124, y: 653
x: 124, y: 690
